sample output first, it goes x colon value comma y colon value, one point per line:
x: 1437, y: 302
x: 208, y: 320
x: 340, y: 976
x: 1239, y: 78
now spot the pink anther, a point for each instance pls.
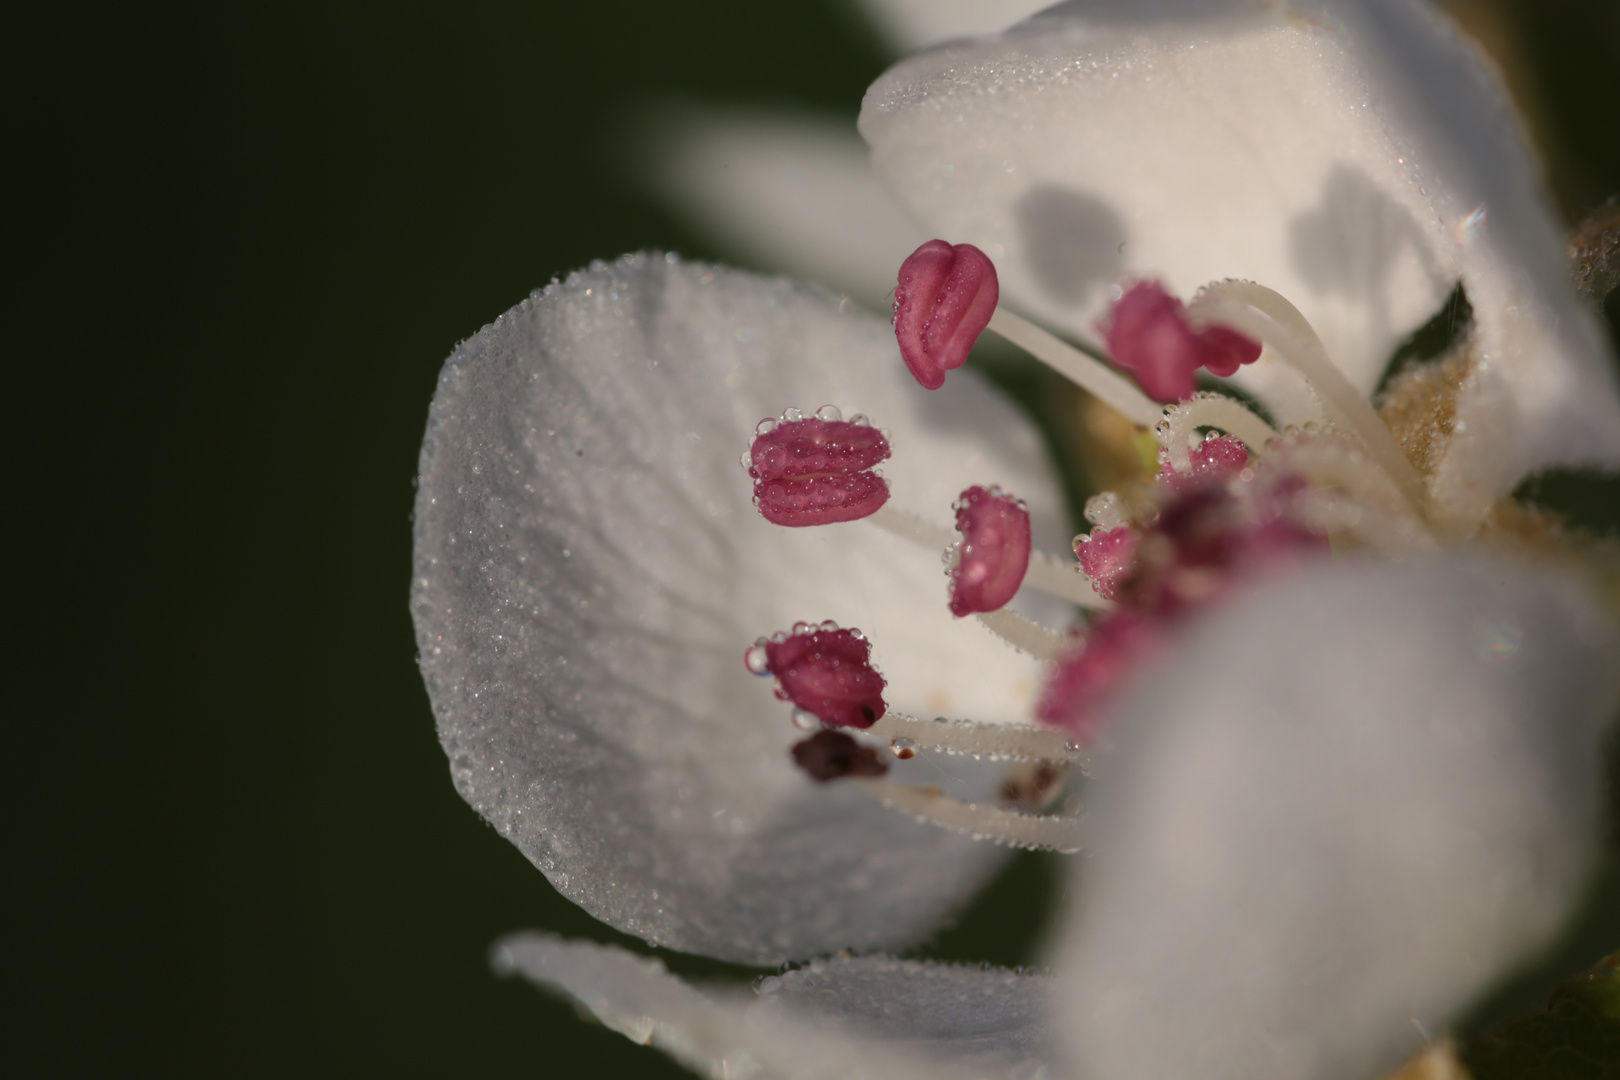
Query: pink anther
x: 817, y: 472
x: 1148, y: 334
x: 1216, y: 457
x: 944, y: 300
x: 1085, y: 679
x: 994, y: 554
x: 1107, y: 557
x: 832, y: 755
x: 827, y: 673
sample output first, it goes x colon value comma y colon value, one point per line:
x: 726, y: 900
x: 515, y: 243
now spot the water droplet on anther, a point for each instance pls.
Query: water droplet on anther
x: 791, y: 415
x: 757, y: 658
x: 829, y: 413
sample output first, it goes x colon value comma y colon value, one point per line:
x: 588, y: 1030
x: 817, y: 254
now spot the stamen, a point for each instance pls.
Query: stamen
x: 995, y: 742
x: 1085, y: 679
x: 1039, y: 832
x: 1182, y: 421
x: 1092, y: 376
x: 994, y: 554
x: 1215, y: 457
x: 941, y: 305
x: 1047, y: 573
x: 1024, y: 635
x: 1107, y: 557
x: 816, y: 470
x: 1148, y: 334
x: 823, y: 670
x: 1329, y: 462
x: 833, y: 755
x: 1269, y: 316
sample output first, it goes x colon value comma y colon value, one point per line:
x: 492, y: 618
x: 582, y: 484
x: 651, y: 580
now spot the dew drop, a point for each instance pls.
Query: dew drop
x: 904, y: 749
x: 804, y: 721
x: 765, y: 426
x: 829, y: 413
x: 757, y: 659
x: 791, y: 415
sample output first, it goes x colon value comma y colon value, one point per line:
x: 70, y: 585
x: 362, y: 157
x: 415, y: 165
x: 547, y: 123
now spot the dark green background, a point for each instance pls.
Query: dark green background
x: 241, y: 240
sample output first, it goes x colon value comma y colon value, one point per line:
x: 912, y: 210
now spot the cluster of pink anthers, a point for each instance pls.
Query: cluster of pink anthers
x: 1153, y: 557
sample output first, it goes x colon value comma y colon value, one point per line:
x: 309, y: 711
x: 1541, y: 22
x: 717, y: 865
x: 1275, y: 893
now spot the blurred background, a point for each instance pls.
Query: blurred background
x: 241, y: 240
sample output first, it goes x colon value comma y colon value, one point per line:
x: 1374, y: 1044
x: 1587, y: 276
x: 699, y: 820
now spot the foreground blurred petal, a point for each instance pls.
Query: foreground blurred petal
x: 787, y: 191
x: 590, y: 568
x: 992, y: 1018
x: 868, y: 1019
x: 1356, y: 157
x: 1368, y: 792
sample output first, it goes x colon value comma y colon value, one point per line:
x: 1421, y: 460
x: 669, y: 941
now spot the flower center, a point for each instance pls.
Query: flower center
x: 1233, y: 498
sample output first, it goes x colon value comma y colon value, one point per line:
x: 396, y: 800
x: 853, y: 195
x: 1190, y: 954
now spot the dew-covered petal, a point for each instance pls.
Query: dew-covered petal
x: 911, y: 24
x: 992, y: 1018
x: 1359, y: 158
x: 868, y: 1019
x: 590, y: 569
x: 1362, y: 795
x: 789, y: 192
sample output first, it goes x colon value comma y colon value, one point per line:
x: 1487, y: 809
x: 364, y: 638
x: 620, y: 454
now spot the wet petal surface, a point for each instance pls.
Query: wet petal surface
x: 590, y: 567
x: 1356, y: 157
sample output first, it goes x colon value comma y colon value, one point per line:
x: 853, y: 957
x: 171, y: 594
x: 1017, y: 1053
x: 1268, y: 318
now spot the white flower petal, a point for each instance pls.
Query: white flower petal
x: 1356, y: 157
x: 911, y: 24
x: 1362, y: 794
x: 993, y: 1018
x: 590, y: 569
x: 721, y: 1035
x: 788, y: 191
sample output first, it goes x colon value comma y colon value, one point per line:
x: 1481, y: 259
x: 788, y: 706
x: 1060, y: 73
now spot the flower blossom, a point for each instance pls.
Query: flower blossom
x: 1329, y: 794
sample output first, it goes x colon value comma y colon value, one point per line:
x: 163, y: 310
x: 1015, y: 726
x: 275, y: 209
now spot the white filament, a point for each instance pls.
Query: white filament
x: 1041, y: 832
x: 1267, y: 316
x: 996, y: 742
x: 1210, y: 410
x: 1109, y: 387
x: 1023, y: 634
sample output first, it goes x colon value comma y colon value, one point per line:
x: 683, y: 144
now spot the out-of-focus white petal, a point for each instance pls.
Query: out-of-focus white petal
x: 1355, y: 798
x: 788, y: 191
x: 991, y: 1018
x: 868, y: 1019
x: 1357, y: 157
x: 911, y: 24
x: 590, y: 569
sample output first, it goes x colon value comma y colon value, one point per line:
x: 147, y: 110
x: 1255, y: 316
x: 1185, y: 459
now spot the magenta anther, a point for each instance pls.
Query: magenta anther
x: 1086, y: 678
x: 1148, y: 335
x: 1107, y: 556
x: 828, y: 673
x: 817, y: 472
x: 994, y: 554
x: 1216, y: 457
x: 944, y: 300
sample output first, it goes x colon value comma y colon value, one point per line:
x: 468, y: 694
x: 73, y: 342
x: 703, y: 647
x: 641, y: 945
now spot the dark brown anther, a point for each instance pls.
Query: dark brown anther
x: 832, y: 755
